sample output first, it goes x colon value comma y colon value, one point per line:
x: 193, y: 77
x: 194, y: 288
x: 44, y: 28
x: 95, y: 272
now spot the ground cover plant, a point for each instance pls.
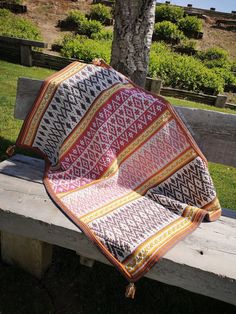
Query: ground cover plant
x: 14, y: 26
x: 224, y: 177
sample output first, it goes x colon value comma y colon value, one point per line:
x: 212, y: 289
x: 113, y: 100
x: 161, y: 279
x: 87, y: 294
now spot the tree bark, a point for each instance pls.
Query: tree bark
x: 134, y: 22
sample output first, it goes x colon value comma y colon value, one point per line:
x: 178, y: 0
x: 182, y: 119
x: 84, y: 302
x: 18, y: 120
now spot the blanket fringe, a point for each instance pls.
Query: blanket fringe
x: 10, y: 150
x: 130, y: 291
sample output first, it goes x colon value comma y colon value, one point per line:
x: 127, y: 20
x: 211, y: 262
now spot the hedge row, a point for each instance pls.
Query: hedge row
x: 186, y: 72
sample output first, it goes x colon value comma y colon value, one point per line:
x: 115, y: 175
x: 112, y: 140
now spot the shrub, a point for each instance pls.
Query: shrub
x: 185, y: 72
x: 215, y: 57
x: 188, y: 44
x: 170, y: 13
x: 104, y: 34
x: 87, y: 28
x: 4, y: 13
x: 76, y: 17
x: 15, y: 26
x: 101, y: 13
x: 190, y: 25
x: 168, y: 32
x: 82, y: 24
x: 226, y: 74
x: 86, y: 49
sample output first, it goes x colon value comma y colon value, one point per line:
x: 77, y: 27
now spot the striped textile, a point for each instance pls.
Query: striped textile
x: 119, y: 163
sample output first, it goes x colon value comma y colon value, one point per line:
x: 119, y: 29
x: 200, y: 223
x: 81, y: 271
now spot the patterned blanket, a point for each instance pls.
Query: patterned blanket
x: 120, y: 163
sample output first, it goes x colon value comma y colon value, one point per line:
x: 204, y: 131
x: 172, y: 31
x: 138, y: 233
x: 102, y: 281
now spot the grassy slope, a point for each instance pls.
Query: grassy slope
x: 224, y: 177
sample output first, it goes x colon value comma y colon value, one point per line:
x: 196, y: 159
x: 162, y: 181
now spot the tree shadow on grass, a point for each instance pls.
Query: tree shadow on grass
x: 69, y: 288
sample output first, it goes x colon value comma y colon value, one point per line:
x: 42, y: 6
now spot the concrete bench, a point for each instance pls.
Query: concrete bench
x: 31, y: 224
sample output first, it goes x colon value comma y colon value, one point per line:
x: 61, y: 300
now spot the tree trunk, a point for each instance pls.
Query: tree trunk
x: 134, y: 22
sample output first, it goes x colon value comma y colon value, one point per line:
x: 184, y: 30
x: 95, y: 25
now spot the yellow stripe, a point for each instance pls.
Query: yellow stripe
x: 128, y: 150
x: 89, y: 116
x: 160, y: 176
x: 146, y: 249
x: 53, y: 84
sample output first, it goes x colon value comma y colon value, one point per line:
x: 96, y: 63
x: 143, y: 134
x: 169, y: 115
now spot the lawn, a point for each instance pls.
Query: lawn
x: 224, y: 177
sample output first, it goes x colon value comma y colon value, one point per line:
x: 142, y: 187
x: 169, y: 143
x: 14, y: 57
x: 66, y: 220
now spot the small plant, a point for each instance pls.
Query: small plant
x: 101, y: 13
x: 168, y: 32
x: 76, y: 17
x: 104, y: 34
x: 190, y: 25
x: 167, y: 12
x: 88, y: 28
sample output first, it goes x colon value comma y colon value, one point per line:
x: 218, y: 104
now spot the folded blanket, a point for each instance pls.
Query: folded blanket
x: 119, y: 163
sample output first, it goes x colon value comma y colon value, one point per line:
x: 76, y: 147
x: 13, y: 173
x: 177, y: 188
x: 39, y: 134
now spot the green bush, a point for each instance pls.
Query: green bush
x: 104, y: 34
x: 189, y: 44
x: 87, y: 28
x: 215, y: 57
x: 185, y: 72
x: 101, y: 13
x: 15, y: 26
x: 4, y: 13
x: 82, y: 24
x: 168, y: 32
x: 76, y: 17
x: 226, y: 74
x: 190, y: 25
x: 167, y: 12
x: 86, y: 49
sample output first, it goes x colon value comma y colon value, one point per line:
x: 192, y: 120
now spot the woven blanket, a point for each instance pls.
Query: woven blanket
x: 120, y: 164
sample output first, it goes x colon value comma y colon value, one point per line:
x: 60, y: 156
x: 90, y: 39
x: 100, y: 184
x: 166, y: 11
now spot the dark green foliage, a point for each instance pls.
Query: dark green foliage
x: 168, y: 32
x: 190, y: 25
x: 101, y: 13
x: 86, y: 49
x: 15, y: 26
x: 170, y: 13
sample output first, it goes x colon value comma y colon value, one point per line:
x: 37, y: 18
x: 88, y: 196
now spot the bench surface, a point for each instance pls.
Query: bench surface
x: 204, y: 262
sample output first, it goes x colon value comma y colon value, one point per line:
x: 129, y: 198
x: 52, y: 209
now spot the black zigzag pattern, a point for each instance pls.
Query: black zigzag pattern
x: 192, y: 185
x: 130, y: 225
x: 69, y: 104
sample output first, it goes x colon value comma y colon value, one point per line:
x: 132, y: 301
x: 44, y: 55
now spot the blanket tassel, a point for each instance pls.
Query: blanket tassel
x: 10, y: 150
x: 130, y: 291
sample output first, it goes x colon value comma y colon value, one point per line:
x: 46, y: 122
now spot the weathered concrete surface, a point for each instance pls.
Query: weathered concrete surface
x: 204, y: 262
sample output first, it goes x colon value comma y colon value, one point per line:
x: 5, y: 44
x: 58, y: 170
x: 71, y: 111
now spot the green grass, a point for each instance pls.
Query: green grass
x: 224, y: 177
x: 192, y: 104
x: 9, y: 127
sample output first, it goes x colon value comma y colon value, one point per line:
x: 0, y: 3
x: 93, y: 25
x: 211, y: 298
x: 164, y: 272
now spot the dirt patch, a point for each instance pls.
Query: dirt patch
x: 46, y: 13
x: 216, y: 37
